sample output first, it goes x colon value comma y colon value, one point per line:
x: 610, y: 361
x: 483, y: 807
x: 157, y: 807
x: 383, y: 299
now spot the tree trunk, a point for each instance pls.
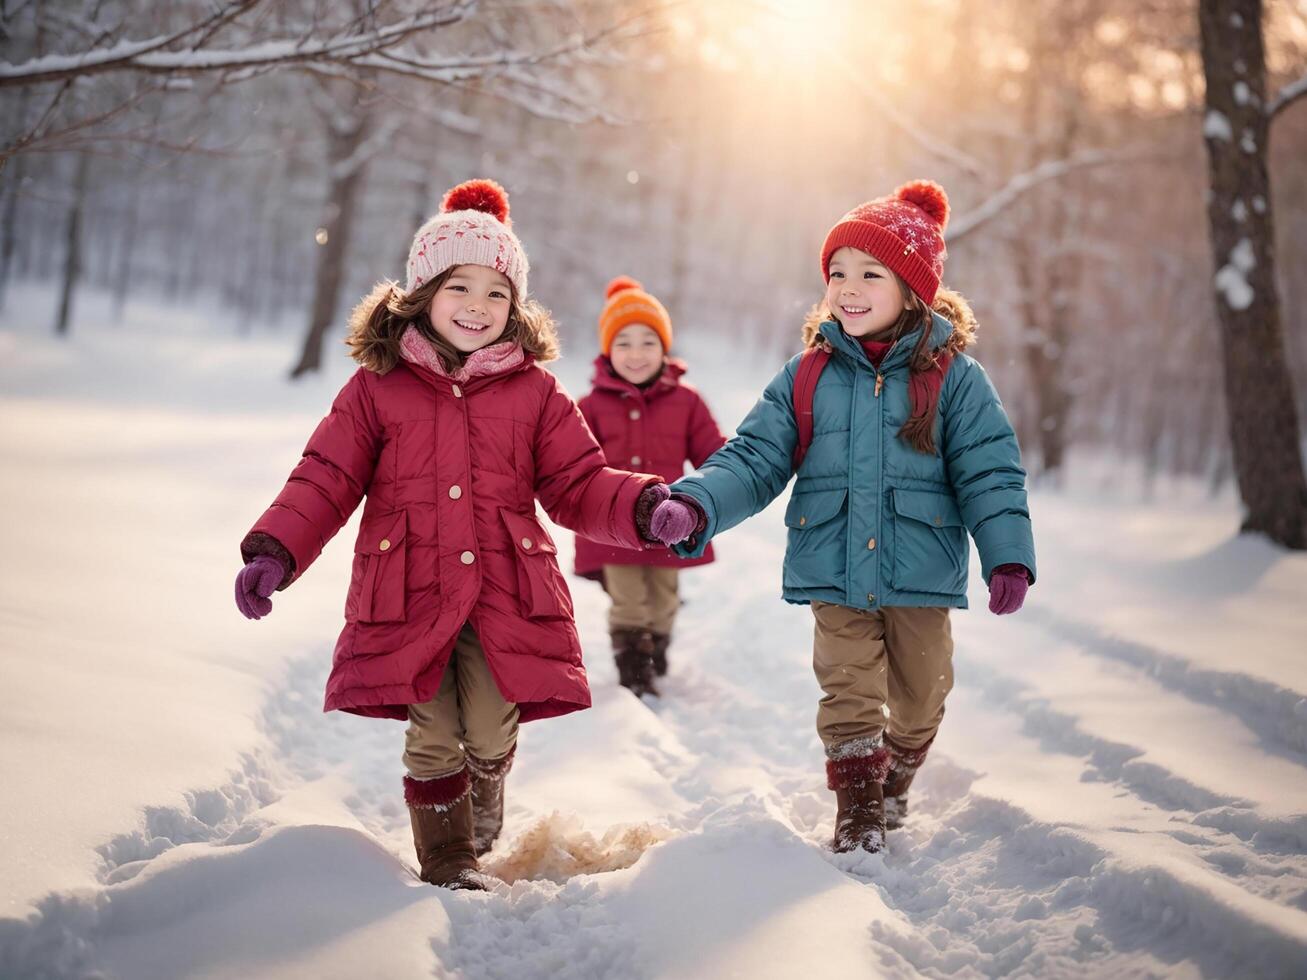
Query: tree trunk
x: 73, y: 246
x: 9, y: 222
x: 1264, y: 433
x: 345, y: 177
x: 685, y: 196
x: 423, y: 206
x: 122, y: 275
x: 1043, y: 352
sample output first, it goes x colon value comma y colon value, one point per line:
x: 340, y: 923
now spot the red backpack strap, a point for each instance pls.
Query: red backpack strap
x: 811, y: 365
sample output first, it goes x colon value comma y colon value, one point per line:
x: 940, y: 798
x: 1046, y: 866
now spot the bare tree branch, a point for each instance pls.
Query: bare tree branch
x: 1286, y: 96
x: 477, y: 66
x: 963, y: 225
x: 123, y: 56
x: 147, y: 56
x: 931, y: 144
x: 36, y: 140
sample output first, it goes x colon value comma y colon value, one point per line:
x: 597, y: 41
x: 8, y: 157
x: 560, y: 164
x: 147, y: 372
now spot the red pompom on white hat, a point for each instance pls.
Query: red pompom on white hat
x: 927, y: 195
x: 481, y: 195
x: 620, y: 284
x: 471, y: 228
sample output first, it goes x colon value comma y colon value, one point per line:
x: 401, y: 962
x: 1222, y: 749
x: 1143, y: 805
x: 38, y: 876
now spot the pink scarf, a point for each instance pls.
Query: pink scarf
x: 493, y: 359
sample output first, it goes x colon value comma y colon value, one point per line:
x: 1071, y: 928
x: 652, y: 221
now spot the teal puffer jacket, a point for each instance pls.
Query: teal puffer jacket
x: 872, y: 521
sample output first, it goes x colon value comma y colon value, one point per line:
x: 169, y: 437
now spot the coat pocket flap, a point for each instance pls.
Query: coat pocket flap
x: 813, y: 507
x: 529, y: 536
x: 935, y: 509
x: 378, y: 535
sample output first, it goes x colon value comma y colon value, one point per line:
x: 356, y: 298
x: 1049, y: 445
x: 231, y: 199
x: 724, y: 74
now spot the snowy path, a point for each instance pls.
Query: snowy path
x: 1119, y: 789
x: 1071, y: 822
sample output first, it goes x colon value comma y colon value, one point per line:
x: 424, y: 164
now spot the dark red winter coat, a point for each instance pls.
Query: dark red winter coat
x: 449, y: 534
x: 655, y: 429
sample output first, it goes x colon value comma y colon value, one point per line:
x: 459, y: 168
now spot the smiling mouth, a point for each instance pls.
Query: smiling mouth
x: 855, y: 310
x: 470, y: 327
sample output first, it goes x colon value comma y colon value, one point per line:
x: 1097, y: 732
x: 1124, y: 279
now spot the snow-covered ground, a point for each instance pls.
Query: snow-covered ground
x: 1118, y: 790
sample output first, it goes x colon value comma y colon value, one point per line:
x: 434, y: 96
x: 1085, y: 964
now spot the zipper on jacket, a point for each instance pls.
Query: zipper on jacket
x: 880, y: 375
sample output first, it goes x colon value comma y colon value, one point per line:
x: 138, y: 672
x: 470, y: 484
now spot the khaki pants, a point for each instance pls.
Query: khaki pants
x: 886, y: 670
x: 467, y: 715
x: 644, y: 597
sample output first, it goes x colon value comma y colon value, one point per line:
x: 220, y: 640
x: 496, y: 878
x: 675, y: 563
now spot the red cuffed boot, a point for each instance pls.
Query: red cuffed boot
x: 903, y: 767
x: 855, y: 770
x: 441, y: 812
x: 488, y: 798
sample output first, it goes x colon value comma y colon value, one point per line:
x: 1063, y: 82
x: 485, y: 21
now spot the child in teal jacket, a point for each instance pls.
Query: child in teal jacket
x: 910, y: 450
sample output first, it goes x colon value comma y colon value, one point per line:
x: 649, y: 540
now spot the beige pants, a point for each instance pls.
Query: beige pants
x: 886, y: 670
x: 644, y: 597
x: 467, y: 715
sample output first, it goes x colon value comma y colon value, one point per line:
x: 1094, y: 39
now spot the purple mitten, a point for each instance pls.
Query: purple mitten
x: 672, y: 522
x: 1007, y: 589
x: 650, y: 497
x: 255, y: 582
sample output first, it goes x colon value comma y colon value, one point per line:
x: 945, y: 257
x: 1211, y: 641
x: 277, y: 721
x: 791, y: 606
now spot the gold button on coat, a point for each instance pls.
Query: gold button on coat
x: 467, y: 558
x: 635, y: 460
x: 458, y: 392
x: 526, y: 542
x: 939, y: 521
x: 871, y: 545
x: 635, y: 413
x: 455, y: 492
x: 802, y: 521
x: 385, y: 544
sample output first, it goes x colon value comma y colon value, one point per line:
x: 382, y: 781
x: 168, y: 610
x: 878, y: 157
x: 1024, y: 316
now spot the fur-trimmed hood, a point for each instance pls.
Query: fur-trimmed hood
x: 954, y: 308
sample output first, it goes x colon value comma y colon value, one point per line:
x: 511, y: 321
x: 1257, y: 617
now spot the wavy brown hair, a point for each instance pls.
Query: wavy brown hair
x: 381, y: 317
x: 919, y: 430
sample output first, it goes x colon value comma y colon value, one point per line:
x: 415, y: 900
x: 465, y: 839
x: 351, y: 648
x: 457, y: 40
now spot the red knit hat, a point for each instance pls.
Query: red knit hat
x: 628, y: 303
x: 904, y: 231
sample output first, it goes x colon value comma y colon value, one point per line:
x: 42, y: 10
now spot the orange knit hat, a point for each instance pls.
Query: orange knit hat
x: 628, y: 303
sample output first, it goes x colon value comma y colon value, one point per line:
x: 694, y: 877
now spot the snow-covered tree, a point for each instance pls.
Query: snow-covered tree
x: 1264, y: 430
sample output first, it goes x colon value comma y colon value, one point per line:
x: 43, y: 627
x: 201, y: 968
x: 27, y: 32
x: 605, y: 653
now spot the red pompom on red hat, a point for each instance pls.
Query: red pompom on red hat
x: 927, y: 195
x: 904, y: 231
x: 620, y: 284
x: 482, y: 195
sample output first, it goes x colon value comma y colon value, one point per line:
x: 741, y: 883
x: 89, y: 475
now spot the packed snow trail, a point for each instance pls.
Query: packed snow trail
x: 1071, y: 821
x: 1118, y: 788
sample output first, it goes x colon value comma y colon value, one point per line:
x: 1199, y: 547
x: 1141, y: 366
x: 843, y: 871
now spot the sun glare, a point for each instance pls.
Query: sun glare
x: 799, y: 30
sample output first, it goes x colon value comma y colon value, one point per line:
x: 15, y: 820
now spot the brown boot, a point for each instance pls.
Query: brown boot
x: 488, y: 798
x: 441, y: 812
x: 661, y: 641
x: 855, y: 771
x: 633, y: 652
x: 905, y: 764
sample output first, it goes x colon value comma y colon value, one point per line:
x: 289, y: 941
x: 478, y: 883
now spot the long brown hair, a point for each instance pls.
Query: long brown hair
x: 919, y: 430
x: 381, y: 317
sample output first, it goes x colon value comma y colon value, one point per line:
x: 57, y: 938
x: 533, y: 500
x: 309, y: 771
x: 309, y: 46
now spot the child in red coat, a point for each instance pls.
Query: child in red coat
x: 646, y: 418
x: 458, y: 619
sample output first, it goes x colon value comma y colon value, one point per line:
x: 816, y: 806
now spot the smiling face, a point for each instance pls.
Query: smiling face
x: 637, y: 353
x: 470, y: 309
x: 863, y: 295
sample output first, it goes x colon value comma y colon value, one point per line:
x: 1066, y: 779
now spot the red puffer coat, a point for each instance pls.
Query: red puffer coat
x: 449, y: 532
x: 656, y: 429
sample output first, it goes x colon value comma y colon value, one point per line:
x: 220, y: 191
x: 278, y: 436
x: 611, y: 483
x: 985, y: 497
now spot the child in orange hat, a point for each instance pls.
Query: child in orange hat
x: 643, y: 414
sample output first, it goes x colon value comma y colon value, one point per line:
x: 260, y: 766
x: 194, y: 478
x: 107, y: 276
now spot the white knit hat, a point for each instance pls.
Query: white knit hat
x: 472, y: 228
